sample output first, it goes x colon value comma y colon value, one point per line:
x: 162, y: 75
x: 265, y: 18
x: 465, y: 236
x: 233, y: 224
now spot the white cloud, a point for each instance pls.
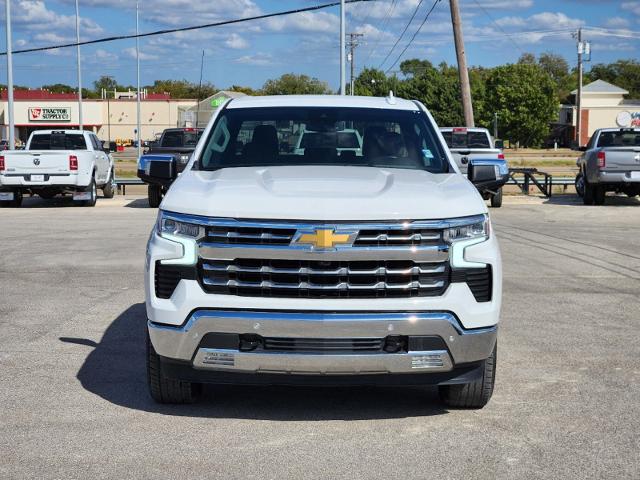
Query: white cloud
x: 259, y: 59
x: 131, y: 53
x: 633, y: 7
x: 546, y: 20
x: 236, y: 42
x: 35, y: 16
x: 617, y: 22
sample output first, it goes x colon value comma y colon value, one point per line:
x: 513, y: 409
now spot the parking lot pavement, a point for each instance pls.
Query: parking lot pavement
x: 74, y: 402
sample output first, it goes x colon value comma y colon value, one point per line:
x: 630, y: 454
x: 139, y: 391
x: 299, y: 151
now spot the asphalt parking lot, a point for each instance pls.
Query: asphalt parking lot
x: 74, y: 401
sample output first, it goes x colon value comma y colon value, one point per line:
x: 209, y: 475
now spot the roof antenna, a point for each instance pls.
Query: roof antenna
x: 391, y: 100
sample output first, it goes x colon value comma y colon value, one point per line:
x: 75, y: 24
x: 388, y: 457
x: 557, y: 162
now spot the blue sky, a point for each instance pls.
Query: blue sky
x: 496, y: 32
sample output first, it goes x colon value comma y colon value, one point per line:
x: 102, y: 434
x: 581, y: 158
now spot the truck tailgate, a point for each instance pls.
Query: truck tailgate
x: 622, y: 158
x: 37, y: 161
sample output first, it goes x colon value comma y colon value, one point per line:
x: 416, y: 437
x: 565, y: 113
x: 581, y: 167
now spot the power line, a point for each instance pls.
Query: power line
x: 402, y: 34
x: 186, y: 29
x: 384, y: 24
x: 426, y: 17
x: 498, y: 25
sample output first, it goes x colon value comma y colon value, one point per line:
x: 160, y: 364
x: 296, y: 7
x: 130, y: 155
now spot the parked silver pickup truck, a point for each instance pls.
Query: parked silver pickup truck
x: 610, y: 163
x: 466, y: 144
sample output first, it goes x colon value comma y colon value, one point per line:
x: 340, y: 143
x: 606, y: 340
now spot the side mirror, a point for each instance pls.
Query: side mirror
x: 582, y: 149
x: 499, y: 144
x: 488, y: 173
x: 162, y: 167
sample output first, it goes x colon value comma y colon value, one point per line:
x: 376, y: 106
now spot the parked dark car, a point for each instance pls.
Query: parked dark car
x: 172, y: 152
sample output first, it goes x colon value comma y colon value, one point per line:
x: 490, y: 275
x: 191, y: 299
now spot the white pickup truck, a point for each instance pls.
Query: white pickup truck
x: 475, y: 143
x: 337, y: 267
x: 57, y: 162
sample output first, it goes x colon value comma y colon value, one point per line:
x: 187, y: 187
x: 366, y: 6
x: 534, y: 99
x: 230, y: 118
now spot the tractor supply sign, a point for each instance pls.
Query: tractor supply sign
x: 41, y: 114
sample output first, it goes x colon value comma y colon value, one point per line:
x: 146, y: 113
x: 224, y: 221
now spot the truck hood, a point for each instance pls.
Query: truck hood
x: 323, y: 193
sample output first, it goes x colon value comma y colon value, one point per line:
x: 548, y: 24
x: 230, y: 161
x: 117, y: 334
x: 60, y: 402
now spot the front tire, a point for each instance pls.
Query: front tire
x: 154, y: 193
x: 579, y: 184
x: 475, y: 394
x: 163, y: 389
x: 496, y: 200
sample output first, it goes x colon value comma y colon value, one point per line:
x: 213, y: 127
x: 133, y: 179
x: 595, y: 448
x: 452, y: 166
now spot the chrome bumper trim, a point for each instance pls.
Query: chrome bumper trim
x: 323, y: 364
x: 182, y: 342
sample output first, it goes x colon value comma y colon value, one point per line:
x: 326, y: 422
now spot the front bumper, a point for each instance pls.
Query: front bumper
x: 454, y: 346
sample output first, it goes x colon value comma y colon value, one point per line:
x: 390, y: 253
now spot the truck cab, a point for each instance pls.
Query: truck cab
x: 332, y: 267
x: 174, y: 147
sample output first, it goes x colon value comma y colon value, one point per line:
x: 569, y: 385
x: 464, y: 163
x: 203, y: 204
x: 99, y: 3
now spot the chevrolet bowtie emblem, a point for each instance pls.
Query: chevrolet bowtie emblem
x: 324, y: 238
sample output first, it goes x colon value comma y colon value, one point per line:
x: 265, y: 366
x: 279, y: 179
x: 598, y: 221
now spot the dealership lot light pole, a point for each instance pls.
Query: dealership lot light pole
x: 342, y: 50
x: 12, y: 137
x: 80, y: 123
x: 138, y: 80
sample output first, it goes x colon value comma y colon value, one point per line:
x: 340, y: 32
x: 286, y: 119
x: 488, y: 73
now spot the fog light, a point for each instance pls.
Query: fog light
x: 395, y: 344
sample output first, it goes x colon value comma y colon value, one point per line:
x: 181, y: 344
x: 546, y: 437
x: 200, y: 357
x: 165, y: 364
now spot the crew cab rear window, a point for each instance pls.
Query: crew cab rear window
x: 466, y: 139
x: 625, y: 138
x: 180, y: 138
x: 58, y: 141
x: 341, y: 136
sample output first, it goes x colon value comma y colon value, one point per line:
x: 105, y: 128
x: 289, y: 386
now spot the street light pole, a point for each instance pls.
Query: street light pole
x: 80, y: 122
x: 138, y: 79
x: 12, y: 127
x: 342, y: 49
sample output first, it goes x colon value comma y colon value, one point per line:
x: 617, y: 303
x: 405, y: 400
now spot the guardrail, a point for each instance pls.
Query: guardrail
x: 123, y: 182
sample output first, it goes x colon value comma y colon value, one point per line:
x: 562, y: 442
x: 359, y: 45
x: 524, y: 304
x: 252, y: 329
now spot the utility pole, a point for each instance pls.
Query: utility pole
x: 579, y: 97
x: 465, y: 89
x: 138, y: 79
x: 342, y: 49
x: 199, y: 93
x: 80, y: 122
x: 12, y: 121
x: 352, y: 44
x: 495, y: 125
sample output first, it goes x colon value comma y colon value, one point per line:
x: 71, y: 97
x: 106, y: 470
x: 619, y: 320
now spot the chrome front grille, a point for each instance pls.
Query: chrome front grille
x: 317, y: 278
x: 408, y: 237
x: 250, y: 235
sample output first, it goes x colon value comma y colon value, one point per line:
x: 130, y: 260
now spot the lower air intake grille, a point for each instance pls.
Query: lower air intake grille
x: 479, y: 281
x: 167, y: 277
x: 329, y: 345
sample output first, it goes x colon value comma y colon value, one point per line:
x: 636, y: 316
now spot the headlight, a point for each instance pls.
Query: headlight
x: 169, y: 226
x: 465, y: 232
x: 184, y: 158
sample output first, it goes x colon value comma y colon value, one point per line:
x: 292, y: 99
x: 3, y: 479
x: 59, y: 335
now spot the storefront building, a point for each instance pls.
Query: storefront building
x: 603, y: 106
x: 111, y: 119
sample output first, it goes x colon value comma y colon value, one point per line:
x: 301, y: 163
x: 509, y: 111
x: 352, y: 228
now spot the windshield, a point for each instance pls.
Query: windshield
x: 624, y: 138
x: 275, y: 136
x: 465, y: 139
x: 58, y: 141
x: 181, y: 138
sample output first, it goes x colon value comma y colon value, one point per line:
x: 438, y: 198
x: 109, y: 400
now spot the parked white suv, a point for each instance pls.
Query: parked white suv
x: 271, y: 267
x: 57, y: 162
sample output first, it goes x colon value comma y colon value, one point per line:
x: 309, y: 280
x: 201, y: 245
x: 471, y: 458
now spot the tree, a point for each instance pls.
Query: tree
x: 622, y: 73
x: 59, y: 88
x: 183, y: 88
x: 524, y: 97
x: 527, y: 58
x: 438, y: 89
x: 558, y: 69
x: 374, y: 83
x: 106, y: 82
x: 292, y: 84
x: 241, y: 89
x: 413, y: 67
